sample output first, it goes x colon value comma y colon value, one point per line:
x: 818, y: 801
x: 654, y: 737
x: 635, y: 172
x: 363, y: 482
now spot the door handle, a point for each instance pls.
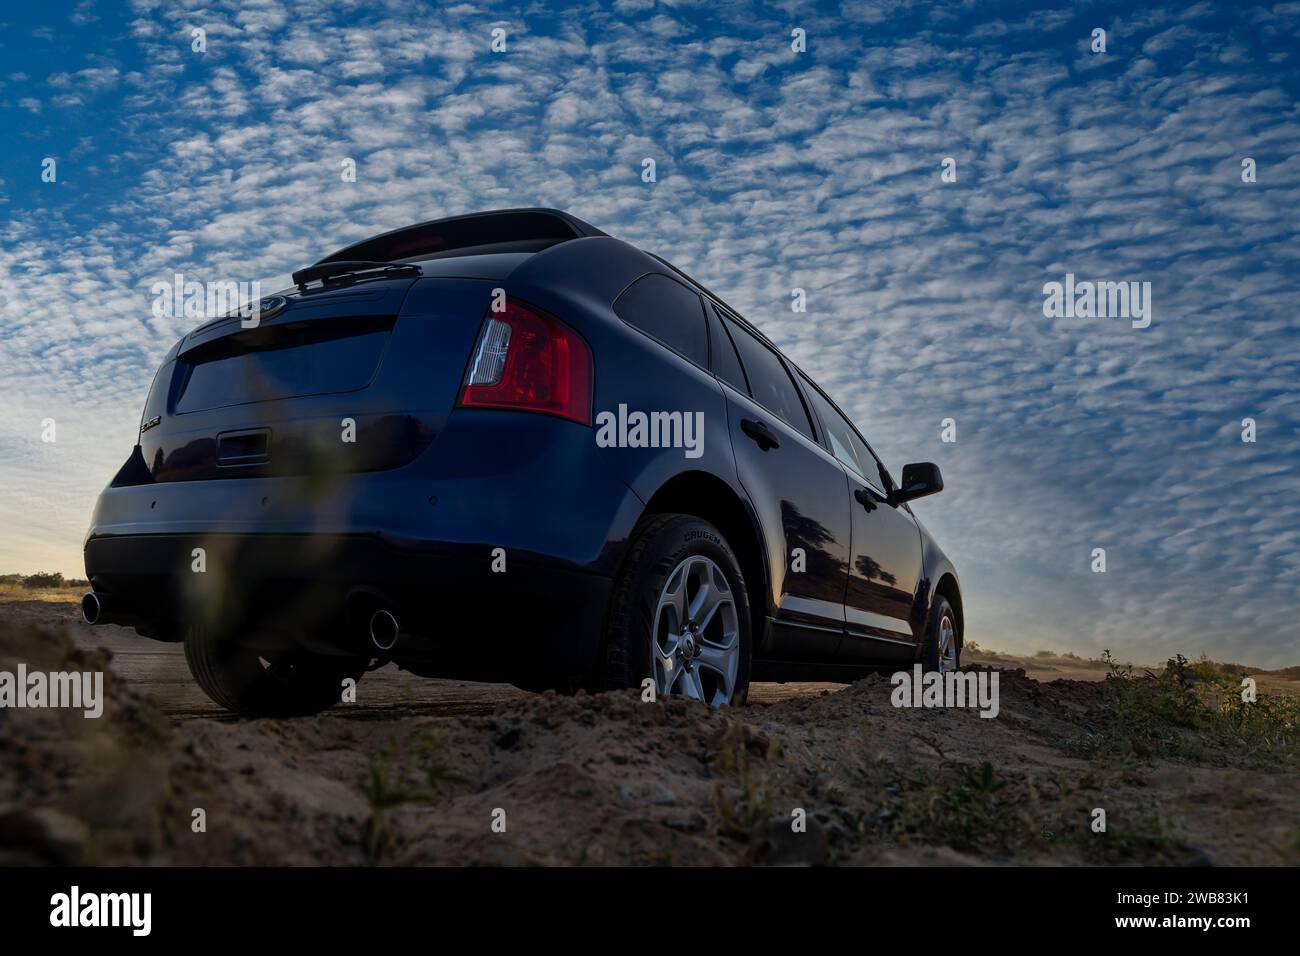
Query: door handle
x: 765, y: 437
x: 866, y: 499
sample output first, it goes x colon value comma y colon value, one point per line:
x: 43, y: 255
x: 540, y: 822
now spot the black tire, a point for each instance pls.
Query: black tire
x: 243, y: 681
x: 658, y: 545
x: 940, y: 612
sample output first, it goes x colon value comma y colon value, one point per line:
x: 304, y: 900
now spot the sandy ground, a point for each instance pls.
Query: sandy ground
x: 388, y: 693
x: 160, y: 669
x: 443, y: 772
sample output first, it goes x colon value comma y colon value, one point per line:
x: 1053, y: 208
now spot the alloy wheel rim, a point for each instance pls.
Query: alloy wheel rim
x: 695, y: 644
x: 947, y: 645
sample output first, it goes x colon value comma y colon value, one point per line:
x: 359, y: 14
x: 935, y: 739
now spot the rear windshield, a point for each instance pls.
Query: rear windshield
x: 286, y: 361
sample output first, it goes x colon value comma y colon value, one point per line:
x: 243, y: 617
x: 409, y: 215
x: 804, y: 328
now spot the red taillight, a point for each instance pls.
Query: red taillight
x: 524, y: 360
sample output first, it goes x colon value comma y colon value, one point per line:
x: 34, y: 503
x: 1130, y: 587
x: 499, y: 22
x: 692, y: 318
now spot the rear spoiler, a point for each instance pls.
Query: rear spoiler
x: 441, y: 236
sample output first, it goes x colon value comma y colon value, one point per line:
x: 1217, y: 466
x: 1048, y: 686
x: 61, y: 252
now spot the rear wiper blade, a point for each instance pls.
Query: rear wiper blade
x: 328, y: 270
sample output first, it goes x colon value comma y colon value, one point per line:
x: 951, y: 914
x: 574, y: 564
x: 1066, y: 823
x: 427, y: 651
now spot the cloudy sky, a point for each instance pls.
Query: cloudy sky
x: 776, y: 169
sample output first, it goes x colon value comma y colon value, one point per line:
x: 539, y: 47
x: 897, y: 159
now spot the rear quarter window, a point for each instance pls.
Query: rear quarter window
x: 669, y: 312
x: 726, y: 364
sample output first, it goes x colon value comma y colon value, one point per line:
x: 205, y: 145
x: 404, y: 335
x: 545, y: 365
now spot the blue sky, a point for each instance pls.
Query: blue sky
x: 819, y: 170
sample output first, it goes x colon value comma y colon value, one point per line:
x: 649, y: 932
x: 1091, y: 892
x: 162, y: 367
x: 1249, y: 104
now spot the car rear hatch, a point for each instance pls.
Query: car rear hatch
x: 342, y: 379
x: 356, y: 373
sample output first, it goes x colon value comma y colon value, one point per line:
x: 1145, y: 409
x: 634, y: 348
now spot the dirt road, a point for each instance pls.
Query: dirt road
x: 443, y: 772
x: 159, y: 670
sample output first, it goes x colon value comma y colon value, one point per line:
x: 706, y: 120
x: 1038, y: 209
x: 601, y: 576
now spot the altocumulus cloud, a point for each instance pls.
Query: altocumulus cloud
x: 776, y: 170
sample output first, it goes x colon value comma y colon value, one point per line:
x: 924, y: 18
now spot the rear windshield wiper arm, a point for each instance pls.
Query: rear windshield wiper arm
x: 328, y: 270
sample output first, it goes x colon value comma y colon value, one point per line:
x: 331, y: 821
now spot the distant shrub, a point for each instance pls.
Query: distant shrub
x: 1190, y: 711
x: 44, y: 579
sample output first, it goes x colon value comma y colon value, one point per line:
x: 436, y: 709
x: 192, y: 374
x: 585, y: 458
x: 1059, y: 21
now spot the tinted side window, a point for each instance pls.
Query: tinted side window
x: 666, y: 310
x: 840, y: 436
x: 726, y: 364
x: 875, y: 469
x: 840, y: 432
x: 769, y: 382
x: 871, y: 461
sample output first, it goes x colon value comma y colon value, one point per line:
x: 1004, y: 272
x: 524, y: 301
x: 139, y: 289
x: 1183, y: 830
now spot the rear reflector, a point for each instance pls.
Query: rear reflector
x: 526, y: 361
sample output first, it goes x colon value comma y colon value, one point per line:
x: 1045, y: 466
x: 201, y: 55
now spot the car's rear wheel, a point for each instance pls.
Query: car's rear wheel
x: 256, y: 683
x: 942, y: 645
x: 679, y: 615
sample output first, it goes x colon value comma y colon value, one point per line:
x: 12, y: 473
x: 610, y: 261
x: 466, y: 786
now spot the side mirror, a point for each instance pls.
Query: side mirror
x: 919, y: 479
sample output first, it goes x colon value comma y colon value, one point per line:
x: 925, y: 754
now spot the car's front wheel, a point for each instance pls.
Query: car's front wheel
x: 254, y: 683
x: 942, y: 649
x: 679, y: 614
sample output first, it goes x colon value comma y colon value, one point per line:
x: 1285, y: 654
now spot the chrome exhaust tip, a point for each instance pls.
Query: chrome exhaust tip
x: 92, y: 607
x: 384, y: 630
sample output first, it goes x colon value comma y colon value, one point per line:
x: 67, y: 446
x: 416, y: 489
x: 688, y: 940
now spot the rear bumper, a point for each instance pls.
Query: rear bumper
x: 459, y: 617
x: 286, y: 556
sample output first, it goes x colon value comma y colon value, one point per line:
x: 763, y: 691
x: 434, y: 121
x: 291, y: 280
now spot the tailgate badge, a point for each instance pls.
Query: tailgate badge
x: 271, y: 307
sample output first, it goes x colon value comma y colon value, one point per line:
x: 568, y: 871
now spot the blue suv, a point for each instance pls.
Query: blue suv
x: 507, y: 446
